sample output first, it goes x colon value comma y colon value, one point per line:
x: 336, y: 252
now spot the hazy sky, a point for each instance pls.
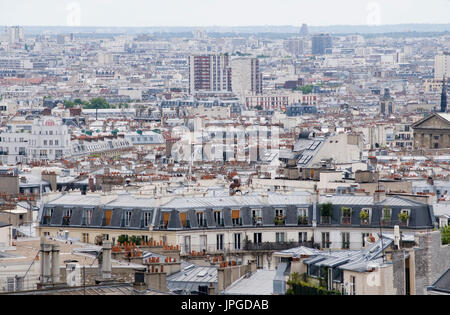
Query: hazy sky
x: 221, y: 12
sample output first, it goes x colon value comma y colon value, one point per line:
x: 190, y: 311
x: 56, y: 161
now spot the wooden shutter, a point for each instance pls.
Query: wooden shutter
x: 166, y: 216
x: 183, y: 216
x: 235, y: 214
x: 108, y: 215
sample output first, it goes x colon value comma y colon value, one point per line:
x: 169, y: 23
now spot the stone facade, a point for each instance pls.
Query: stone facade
x: 432, y: 132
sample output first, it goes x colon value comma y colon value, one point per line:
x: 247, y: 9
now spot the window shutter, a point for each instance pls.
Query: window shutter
x: 235, y: 214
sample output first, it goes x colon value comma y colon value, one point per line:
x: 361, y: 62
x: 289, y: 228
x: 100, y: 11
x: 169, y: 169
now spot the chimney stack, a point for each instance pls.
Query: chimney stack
x: 379, y: 196
x: 397, y: 237
x: 106, y: 260
x: 55, y: 263
x: 46, y: 269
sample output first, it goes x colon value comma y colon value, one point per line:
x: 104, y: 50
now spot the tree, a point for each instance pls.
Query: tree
x: 97, y: 103
x: 69, y: 104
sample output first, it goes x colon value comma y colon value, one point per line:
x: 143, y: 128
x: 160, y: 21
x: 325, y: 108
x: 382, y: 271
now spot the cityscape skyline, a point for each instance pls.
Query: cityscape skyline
x: 173, y: 13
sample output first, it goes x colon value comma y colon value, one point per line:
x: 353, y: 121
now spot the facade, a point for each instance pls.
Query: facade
x: 294, y: 46
x: 299, y: 110
x: 442, y: 66
x: 247, y: 227
x: 246, y: 76
x: 321, y: 44
x: 209, y: 73
x: 432, y: 132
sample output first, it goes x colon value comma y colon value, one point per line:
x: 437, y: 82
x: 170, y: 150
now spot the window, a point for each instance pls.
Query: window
x: 200, y: 219
x: 302, y: 237
x: 257, y: 238
x: 237, y: 241
x: 353, y: 285
x: 236, y: 217
x: 365, y: 215
x: 364, y: 237
x: 127, y: 218
x: 187, y: 244
x: 147, y: 218
x: 279, y: 212
x: 325, y: 240
x: 203, y: 243
x: 105, y: 237
x: 219, y: 242
x: 345, y: 240
x: 85, y: 237
x: 108, y: 215
x: 88, y: 216
x: 302, y: 214
x: 257, y: 216
x: 386, y: 218
x: 218, y: 218
x: 280, y: 237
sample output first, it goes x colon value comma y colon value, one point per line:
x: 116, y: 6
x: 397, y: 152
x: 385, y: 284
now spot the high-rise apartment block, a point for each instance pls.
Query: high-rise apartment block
x: 442, y: 66
x: 209, y: 73
x: 246, y: 76
x: 294, y: 46
x: 321, y: 44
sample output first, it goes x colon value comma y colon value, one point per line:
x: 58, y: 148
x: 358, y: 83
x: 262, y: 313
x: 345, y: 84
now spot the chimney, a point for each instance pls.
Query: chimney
x: 379, y: 196
x: 46, y: 273
x: 157, y: 281
x: 106, y: 260
x: 55, y: 263
x: 139, y: 285
x: 397, y: 237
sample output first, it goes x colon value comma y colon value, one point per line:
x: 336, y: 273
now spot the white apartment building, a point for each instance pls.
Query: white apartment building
x: 40, y: 139
x: 245, y: 76
x: 442, y: 66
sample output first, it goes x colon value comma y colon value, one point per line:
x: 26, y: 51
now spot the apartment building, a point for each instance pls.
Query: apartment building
x: 246, y: 76
x: 209, y: 73
x: 245, y: 227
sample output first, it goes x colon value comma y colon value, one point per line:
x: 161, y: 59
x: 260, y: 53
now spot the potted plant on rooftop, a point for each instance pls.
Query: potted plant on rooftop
x: 403, y: 217
x: 364, y: 216
x: 325, y: 213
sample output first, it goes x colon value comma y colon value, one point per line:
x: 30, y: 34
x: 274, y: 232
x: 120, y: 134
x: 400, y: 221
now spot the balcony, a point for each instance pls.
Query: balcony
x: 268, y: 246
x: 302, y: 220
x: 66, y: 220
x: 257, y: 221
x: 280, y: 220
x: 385, y: 221
x: 346, y: 220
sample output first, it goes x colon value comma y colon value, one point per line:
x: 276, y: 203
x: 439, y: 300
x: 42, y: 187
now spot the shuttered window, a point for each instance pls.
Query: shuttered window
x: 183, y: 216
x: 166, y: 217
x: 235, y: 214
x: 108, y: 215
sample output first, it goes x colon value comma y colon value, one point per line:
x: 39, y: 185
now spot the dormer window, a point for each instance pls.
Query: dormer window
x: 257, y: 216
x: 403, y: 217
x: 386, y: 216
x: 365, y: 215
x: 302, y: 216
x: 346, y: 215
x: 236, y: 217
x: 201, y: 219
x: 218, y: 218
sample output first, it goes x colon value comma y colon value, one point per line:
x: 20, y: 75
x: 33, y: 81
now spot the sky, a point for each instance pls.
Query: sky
x: 221, y: 12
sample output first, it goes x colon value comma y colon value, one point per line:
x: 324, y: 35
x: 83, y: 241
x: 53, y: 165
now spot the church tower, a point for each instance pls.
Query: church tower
x: 444, y: 96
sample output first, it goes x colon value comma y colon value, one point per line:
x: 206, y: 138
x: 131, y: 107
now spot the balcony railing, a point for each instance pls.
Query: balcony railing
x: 277, y: 246
x: 66, y: 220
x: 302, y: 220
x: 325, y: 220
x: 257, y: 221
x: 386, y: 221
x: 346, y: 220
